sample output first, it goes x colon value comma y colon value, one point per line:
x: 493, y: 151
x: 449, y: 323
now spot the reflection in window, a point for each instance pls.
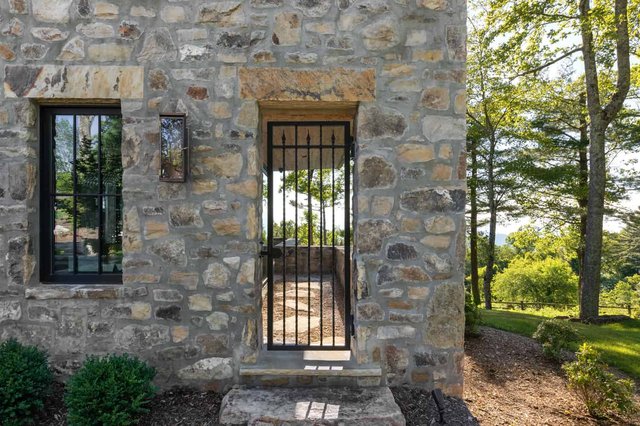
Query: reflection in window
x: 82, y: 196
x: 172, y: 148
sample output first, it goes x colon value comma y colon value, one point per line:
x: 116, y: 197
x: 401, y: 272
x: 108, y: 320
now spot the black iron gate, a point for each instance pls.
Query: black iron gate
x: 308, y: 236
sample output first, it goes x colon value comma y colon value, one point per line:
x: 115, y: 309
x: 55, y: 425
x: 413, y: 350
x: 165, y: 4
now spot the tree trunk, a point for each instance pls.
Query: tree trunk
x: 493, y: 219
x: 583, y: 199
x: 590, y: 291
x: 600, y: 119
x: 473, y: 193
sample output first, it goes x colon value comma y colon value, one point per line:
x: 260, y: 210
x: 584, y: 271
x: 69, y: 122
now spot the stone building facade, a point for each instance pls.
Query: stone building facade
x: 190, y: 299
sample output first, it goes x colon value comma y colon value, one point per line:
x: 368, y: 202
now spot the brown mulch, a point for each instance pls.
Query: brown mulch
x: 419, y: 408
x: 177, y: 406
x: 508, y: 381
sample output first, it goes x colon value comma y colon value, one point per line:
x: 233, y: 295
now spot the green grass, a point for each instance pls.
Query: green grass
x: 619, y: 343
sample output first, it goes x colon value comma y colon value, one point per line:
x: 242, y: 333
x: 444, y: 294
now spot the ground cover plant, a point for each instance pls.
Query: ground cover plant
x: 601, y: 391
x: 111, y: 390
x: 555, y: 336
x: 25, y: 380
x: 619, y: 343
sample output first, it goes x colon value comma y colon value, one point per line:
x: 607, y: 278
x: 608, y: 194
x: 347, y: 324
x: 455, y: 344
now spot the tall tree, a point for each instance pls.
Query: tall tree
x: 535, y: 35
x: 493, y: 110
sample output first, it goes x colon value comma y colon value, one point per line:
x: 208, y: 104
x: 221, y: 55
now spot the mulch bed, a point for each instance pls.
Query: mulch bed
x: 508, y: 381
x: 419, y: 408
x: 178, y: 406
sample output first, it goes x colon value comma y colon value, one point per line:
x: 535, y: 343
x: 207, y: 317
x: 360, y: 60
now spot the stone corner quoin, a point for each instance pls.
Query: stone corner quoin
x: 190, y: 301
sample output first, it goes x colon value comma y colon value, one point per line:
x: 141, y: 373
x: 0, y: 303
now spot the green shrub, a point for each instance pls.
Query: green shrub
x: 555, y: 335
x: 600, y: 390
x: 549, y: 280
x: 112, y: 390
x: 471, y: 316
x: 25, y: 381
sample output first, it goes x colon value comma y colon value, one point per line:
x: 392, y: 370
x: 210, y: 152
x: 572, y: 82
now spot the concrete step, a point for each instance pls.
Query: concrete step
x: 310, y: 406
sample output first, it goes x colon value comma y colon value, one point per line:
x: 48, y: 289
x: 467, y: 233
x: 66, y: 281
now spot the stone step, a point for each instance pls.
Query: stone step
x: 312, y: 370
x: 311, y: 406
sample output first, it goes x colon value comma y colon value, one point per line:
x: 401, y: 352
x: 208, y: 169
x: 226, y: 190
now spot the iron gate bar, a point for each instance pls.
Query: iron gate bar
x: 321, y: 147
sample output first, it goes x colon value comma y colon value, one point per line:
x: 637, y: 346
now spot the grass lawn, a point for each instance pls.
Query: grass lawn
x: 619, y: 343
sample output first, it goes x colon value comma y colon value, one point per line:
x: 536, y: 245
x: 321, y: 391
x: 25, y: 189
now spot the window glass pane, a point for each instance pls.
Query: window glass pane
x: 87, y: 154
x: 62, y: 235
x: 111, y: 235
x: 171, y: 152
x: 111, y: 134
x: 63, y: 154
x: 87, y: 236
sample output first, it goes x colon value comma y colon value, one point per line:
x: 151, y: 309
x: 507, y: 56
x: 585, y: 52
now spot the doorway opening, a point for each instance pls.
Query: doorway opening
x: 306, y: 302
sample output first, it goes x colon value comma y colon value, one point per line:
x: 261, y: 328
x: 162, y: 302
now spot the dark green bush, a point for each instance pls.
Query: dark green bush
x: 555, y: 336
x: 110, y: 390
x: 25, y: 382
x: 600, y: 390
x: 471, y: 316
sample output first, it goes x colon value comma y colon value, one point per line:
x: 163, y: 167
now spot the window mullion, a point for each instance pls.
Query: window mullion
x: 75, y: 197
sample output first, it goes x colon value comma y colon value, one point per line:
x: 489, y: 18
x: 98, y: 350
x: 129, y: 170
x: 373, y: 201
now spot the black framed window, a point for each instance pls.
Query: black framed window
x: 81, y: 195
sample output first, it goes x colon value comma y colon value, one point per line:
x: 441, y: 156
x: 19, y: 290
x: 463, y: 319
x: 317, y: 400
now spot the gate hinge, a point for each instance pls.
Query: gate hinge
x: 352, y: 149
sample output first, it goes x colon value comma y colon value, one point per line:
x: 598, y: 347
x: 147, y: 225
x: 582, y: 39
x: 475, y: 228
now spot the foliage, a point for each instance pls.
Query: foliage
x: 555, y: 336
x: 599, y: 389
x: 112, y: 390
x: 624, y: 293
x: 619, y: 343
x: 25, y: 381
x: 471, y: 316
x: 545, y: 281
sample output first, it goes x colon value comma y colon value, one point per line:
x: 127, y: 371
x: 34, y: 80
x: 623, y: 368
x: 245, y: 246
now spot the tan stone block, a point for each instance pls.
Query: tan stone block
x: 398, y: 70
x: 200, y: 302
x: 6, y: 52
x: 427, y: 55
x: 415, y: 153
x: 400, y: 304
x: 408, y: 85
x: 141, y: 11
x: 287, y: 29
x: 220, y: 110
x: 252, y: 223
x: 179, y: 333
x: 226, y: 164
x: 418, y: 293
x: 433, y: 4
x: 109, y: 52
x: 155, y: 229
x: 264, y: 56
x: 140, y: 278
x: 337, y: 84
x: 382, y: 206
x: 104, y: 10
x: 441, y: 172
x: 321, y: 27
x: 140, y: 311
x: 445, y: 151
x: 440, y: 225
x: 363, y: 204
x: 420, y: 376
x: 172, y: 14
x: 437, y: 241
x: 248, y: 115
x: 436, y: 98
x: 203, y: 186
x: 188, y: 280
x: 460, y: 102
x: 81, y: 82
x: 410, y: 225
x: 230, y: 226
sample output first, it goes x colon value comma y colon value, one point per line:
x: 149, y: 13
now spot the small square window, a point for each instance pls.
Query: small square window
x: 81, y: 196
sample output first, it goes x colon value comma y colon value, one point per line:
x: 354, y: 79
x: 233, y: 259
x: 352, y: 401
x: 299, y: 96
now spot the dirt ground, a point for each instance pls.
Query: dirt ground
x: 509, y: 382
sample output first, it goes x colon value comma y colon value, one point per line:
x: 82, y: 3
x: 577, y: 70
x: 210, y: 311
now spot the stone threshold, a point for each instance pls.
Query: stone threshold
x: 311, y: 406
x: 312, y: 371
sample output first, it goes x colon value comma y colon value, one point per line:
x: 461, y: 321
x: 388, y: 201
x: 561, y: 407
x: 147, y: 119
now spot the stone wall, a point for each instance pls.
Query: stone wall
x: 190, y: 302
